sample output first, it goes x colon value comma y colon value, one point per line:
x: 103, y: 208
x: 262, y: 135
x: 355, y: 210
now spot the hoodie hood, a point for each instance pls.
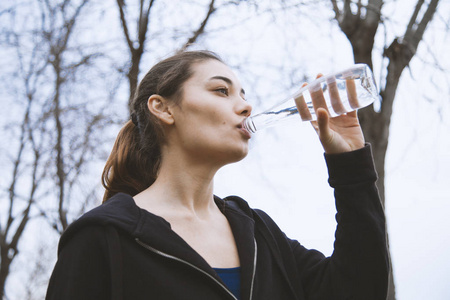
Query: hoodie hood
x: 120, y: 211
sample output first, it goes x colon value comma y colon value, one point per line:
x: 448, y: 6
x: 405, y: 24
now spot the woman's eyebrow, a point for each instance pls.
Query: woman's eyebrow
x: 227, y: 80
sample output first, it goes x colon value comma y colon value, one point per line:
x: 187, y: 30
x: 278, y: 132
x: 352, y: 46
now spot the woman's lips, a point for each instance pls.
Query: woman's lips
x: 244, y: 131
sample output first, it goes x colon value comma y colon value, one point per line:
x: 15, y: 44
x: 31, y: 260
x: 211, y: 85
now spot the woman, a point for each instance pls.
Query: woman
x: 162, y: 234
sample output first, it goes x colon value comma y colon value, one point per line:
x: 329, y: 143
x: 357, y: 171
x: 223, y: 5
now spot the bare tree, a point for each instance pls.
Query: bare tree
x: 57, y: 134
x: 360, y: 22
x: 136, y: 45
x: 57, y: 37
x: 26, y: 160
x: 19, y: 208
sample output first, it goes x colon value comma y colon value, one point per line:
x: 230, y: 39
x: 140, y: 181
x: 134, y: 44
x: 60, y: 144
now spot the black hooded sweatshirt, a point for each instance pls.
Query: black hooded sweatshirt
x: 120, y: 251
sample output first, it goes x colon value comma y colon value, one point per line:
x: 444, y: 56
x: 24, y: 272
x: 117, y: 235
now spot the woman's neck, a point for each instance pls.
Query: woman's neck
x: 182, y: 187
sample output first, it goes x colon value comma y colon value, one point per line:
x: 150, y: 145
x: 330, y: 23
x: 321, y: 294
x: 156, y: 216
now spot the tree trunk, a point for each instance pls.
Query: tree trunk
x: 133, y: 73
x: 360, y: 27
x: 376, y: 131
x: 4, y: 269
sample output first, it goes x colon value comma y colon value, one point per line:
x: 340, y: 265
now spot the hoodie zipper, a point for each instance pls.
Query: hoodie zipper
x: 254, y: 269
x: 198, y: 269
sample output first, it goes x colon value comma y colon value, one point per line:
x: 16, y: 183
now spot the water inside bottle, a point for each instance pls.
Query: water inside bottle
x: 343, y: 92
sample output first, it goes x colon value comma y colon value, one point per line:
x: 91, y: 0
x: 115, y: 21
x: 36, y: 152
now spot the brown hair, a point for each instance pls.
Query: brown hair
x: 136, y: 155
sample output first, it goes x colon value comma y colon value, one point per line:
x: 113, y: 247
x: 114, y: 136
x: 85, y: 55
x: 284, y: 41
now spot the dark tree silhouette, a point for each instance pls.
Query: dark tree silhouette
x: 360, y: 23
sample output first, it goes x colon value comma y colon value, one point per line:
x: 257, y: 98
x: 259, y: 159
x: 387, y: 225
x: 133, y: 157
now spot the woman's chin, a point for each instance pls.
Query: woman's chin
x: 224, y: 155
x: 238, y: 155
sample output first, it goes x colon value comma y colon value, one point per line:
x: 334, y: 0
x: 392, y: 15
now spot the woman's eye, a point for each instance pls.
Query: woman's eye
x: 222, y: 91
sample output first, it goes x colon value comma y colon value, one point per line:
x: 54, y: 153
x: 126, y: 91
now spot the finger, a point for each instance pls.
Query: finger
x: 333, y: 91
x: 353, y: 114
x: 302, y: 107
x: 317, y: 96
x: 351, y: 93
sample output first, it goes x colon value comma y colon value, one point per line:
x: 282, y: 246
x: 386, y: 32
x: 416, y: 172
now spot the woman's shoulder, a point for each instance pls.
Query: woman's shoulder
x: 119, y: 212
x: 260, y: 217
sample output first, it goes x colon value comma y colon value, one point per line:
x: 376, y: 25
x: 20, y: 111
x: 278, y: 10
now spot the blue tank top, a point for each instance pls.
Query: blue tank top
x: 232, y: 279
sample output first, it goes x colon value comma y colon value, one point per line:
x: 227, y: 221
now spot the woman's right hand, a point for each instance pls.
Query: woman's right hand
x: 339, y: 134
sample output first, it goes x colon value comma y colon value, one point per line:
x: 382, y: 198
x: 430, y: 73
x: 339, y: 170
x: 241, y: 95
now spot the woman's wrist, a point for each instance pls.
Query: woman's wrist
x: 351, y: 167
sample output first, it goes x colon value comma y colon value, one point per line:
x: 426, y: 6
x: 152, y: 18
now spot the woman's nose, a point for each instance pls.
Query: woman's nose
x: 245, y: 109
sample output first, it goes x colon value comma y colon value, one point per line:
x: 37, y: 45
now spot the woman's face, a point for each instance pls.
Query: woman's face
x: 208, y: 120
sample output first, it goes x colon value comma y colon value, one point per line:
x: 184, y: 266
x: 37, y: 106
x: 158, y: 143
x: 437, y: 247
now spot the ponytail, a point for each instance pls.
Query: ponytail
x: 129, y: 169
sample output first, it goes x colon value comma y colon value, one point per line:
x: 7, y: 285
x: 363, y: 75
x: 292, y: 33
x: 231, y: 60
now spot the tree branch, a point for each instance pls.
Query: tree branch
x: 429, y: 13
x: 401, y: 51
x: 123, y: 20
x: 347, y: 8
x: 373, y: 14
x: 413, y: 20
x: 358, y: 13
x: 17, y: 162
x: 337, y: 12
x: 143, y: 24
x: 201, y: 29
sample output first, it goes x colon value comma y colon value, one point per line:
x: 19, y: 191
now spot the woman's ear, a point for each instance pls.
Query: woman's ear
x: 159, y: 107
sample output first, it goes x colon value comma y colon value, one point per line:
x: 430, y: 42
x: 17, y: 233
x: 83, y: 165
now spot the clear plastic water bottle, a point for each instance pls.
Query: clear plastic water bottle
x: 339, y: 93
